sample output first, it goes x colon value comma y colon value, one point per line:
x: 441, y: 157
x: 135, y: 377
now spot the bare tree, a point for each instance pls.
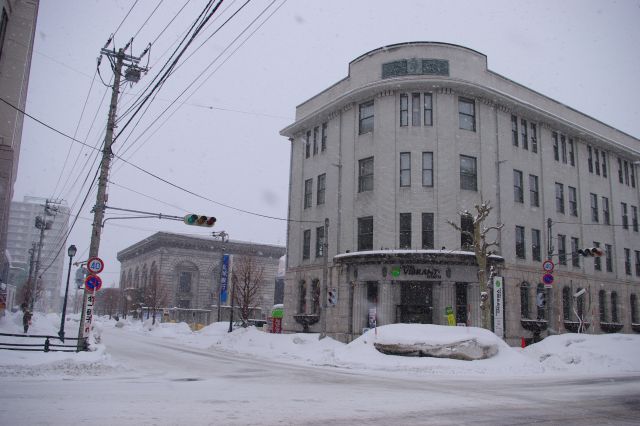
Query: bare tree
x: 481, y: 249
x: 156, y: 295
x: 107, y: 301
x: 246, y: 278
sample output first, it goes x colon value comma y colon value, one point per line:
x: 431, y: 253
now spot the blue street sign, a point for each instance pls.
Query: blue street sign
x: 547, y: 278
x: 93, y: 282
x: 224, y: 278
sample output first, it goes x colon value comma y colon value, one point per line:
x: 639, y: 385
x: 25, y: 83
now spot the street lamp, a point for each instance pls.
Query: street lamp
x: 71, y: 251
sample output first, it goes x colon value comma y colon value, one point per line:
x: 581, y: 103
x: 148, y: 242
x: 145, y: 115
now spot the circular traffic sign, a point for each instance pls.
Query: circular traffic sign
x: 547, y: 278
x: 93, y: 283
x: 95, y: 265
x: 548, y: 265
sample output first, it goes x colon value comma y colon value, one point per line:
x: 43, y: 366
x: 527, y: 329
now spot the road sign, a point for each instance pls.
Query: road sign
x: 93, y: 282
x: 547, y: 279
x: 95, y: 265
x: 548, y: 265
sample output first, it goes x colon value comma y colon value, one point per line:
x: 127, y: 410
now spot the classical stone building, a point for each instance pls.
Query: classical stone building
x: 414, y: 135
x: 190, y: 268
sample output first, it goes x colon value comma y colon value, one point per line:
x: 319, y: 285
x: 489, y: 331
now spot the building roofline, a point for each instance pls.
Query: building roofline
x: 411, y: 43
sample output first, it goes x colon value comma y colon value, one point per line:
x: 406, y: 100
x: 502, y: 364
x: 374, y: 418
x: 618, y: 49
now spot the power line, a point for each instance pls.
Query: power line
x: 122, y: 22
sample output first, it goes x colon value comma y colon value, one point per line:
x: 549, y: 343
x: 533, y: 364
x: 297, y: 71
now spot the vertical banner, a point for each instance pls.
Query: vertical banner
x: 498, y: 307
x: 88, y: 316
x: 224, y: 277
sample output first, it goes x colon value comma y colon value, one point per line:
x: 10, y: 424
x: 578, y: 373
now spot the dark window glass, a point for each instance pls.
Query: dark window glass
x: 597, y: 161
x: 323, y: 145
x: 572, y: 158
x: 416, y: 111
x: 541, y: 296
x: 3, y: 29
x: 594, y: 208
x: 306, y: 244
x: 627, y: 261
x: 625, y: 217
x: 559, y: 197
x: 626, y: 173
x: 184, y: 284
x: 365, y: 233
x: 514, y: 130
x: 525, y: 137
x: 590, y: 158
x: 320, y: 241
x: 427, y: 231
x: 563, y: 148
x: 534, y: 195
x: 466, y: 236
x: 428, y: 109
x: 427, y: 169
x: 633, y: 299
x: 468, y: 173
x: 575, y: 259
x: 302, y: 297
x: 365, y: 175
x: 614, y: 306
x: 524, y: 300
x: 606, y: 217
x: 633, y: 177
x: 562, y: 249
x: 315, y: 296
x: 608, y: 250
x: 604, y: 164
x: 637, y: 253
x: 634, y: 218
x: 322, y: 184
x: 535, y: 244
x: 556, y: 152
x: 520, y: 251
x: 518, y: 191
x: 620, y: 171
x: 308, y: 193
x: 405, y: 230
x: 405, y: 169
x: 597, y: 261
x: 404, y: 110
x: 566, y: 303
x: 573, y: 201
x: 366, y: 117
x: 307, y: 145
x: 534, y: 138
x: 602, y: 305
x: 461, y: 303
x: 467, y: 114
x: 316, y: 135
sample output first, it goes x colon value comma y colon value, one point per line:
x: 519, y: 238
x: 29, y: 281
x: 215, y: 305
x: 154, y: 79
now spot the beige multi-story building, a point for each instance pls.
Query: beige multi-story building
x: 190, y: 270
x: 417, y: 134
x: 17, y: 31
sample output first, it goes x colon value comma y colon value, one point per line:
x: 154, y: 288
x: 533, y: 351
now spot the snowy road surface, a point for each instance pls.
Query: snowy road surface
x: 151, y: 380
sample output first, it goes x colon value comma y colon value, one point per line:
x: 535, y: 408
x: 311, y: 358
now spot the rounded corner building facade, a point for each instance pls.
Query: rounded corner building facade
x: 384, y: 165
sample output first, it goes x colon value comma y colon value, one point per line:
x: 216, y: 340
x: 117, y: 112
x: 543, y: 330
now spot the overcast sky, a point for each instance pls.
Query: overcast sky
x: 222, y: 143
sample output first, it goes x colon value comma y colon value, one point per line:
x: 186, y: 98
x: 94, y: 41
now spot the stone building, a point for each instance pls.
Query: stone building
x: 419, y: 132
x: 17, y: 32
x: 190, y: 268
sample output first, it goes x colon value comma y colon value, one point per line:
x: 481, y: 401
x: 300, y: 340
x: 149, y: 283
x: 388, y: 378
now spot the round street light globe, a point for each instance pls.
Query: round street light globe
x: 71, y: 251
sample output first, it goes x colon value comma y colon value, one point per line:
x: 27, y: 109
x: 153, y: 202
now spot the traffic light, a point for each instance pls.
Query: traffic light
x: 332, y: 297
x: 592, y: 251
x: 197, y: 220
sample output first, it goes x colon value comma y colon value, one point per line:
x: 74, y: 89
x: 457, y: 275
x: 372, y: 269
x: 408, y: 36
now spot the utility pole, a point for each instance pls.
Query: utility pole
x: 42, y: 224
x: 132, y: 74
x: 325, y: 275
x: 32, y: 253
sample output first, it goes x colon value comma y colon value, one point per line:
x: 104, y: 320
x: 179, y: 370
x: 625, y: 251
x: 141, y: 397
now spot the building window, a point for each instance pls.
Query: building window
x: 604, y: 164
x: 467, y: 114
x: 518, y: 191
x: 620, y: 170
x: 573, y: 201
x: 637, y: 253
x: 559, y: 198
x: 514, y: 130
x: 633, y: 300
x: 427, y: 231
x: 322, y: 185
x: 428, y: 109
x: 315, y: 296
x: 535, y: 244
x: 320, y: 241
x: 405, y: 169
x: 594, y: 208
x: 626, y: 172
x: 556, y: 152
x: 405, y: 230
x: 520, y: 251
x: 524, y: 300
x: 302, y: 297
x: 597, y: 161
x: 323, y: 143
x: 415, y: 109
x: 634, y: 218
x: 602, y: 305
x: 633, y: 177
x: 534, y: 194
x: 316, y: 134
x: 468, y: 173
x: 184, y: 282
x: 572, y: 158
x: 525, y: 137
x: 606, y: 217
x: 306, y: 244
x: 608, y: 251
x: 566, y: 303
x: 466, y: 234
x: 590, y: 158
x: 307, y: 145
x: 365, y: 233
x: 625, y: 217
x: 461, y: 303
x: 534, y: 138
x: 597, y: 261
x: 575, y: 259
x: 308, y: 193
x: 365, y: 175
x: 404, y: 110
x: 366, y: 117
x: 627, y: 261
x: 563, y: 148
x: 427, y: 169
x: 562, y: 249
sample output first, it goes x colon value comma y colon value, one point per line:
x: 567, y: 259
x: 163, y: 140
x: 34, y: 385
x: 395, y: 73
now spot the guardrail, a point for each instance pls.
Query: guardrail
x: 45, y: 346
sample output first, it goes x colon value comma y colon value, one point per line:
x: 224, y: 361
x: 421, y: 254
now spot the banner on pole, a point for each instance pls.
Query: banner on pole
x: 224, y: 278
x: 498, y: 306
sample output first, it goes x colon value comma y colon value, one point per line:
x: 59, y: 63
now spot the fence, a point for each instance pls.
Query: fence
x: 45, y: 346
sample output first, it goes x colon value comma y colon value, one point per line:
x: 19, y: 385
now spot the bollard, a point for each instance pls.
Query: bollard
x: 523, y: 344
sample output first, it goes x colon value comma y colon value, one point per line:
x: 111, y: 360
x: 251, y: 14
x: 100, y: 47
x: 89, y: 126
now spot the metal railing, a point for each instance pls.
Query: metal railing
x: 45, y: 346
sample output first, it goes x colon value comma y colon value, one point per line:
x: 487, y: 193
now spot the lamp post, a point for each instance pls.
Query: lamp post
x: 71, y: 251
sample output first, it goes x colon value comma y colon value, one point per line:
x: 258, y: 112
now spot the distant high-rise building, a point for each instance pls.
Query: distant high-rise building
x: 23, y: 235
x: 17, y: 30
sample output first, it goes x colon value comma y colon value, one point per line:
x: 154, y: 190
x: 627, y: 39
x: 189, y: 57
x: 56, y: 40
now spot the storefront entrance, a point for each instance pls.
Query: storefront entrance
x: 416, y: 302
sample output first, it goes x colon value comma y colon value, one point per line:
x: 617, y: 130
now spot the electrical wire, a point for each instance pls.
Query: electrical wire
x: 123, y: 19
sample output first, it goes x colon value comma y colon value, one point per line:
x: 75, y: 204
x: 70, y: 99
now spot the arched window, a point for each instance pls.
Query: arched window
x: 603, y: 307
x: 315, y: 296
x: 136, y: 278
x: 634, y: 308
x: 524, y: 300
x: 614, y: 306
x: 144, y: 276
x: 302, y: 297
x: 566, y: 303
x: 129, y: 279
x: 541, y: 302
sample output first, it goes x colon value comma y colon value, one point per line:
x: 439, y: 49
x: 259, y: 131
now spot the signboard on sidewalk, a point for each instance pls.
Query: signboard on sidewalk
x: 498, y: 306
x: 88, y: 314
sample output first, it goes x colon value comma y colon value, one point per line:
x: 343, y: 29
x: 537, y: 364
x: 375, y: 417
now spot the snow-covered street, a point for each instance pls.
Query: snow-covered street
x: 171, y: 375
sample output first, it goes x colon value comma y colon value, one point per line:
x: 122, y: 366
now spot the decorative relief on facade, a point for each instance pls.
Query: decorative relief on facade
x: 385, y: 93
x: 446, y: 91
x: 415, y: 66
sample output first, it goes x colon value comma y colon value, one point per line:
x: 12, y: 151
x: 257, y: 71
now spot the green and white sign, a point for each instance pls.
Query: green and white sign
x: 498, y: 306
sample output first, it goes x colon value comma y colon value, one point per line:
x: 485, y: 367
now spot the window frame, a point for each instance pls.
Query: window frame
x: 520, y: 242
x: 306, y: 244
x: 308, y: 193
x: 534, y: 191
x: 469, y: 176
x: 365, y: 178
x: 321, y: 188
x: 594, y: 208
x: 534, y: 138
x: 416, y: 110
x: 524, y: 134
x: 405, y: 170
x: 404, y: 110
x: 536, y: 245
x: 366, y: 122
x: 514, y: 131
x: 559, y: 197
x: 562, y: 249
x: 320, y: 241
x: 575, y: 245
x: 428, y: 112
x: 427, y: 169
x: 518, y: 183
x: 428, y: 240
x: 573, y: 201
x: 365, y: 233
x: 404, y: 231
x: 465, y: 117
